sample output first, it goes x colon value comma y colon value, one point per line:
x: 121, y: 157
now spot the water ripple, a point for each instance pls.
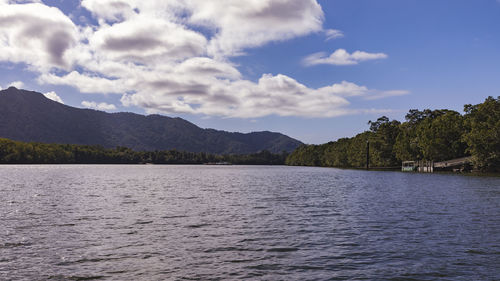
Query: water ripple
x: 225, y: 223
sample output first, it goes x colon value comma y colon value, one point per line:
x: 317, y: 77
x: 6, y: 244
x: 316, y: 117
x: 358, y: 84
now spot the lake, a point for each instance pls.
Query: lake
x: 150, y: 222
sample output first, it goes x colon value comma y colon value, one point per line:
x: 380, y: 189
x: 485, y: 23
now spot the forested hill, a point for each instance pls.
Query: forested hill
x: 30, y: 117
x: 436, y: 135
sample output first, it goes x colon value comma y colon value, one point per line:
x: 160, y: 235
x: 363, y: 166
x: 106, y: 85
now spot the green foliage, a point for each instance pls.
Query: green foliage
x: 336, y: 153
x: 436, y: 135
x: 357, y: 150
x: 482, y: 122
x: 351, y: 152
x: 385, y: 133
x: 14, y: 152
x: 406, y: 146
x: 306, y: 155
x: 440, y: 138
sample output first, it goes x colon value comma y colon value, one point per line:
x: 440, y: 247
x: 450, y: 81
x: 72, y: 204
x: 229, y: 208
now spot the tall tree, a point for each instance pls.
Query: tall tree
x: 482, y: 122
x: 385, y: 133
x: 440, y: 138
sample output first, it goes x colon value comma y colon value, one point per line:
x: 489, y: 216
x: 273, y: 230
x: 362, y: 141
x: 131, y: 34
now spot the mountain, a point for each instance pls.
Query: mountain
x: 31, y: 117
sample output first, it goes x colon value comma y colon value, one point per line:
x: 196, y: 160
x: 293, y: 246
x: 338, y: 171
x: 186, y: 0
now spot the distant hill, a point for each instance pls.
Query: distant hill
x: 31, y: 117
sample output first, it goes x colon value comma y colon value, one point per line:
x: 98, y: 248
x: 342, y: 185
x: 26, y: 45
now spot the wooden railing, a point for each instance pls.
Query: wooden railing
x: 453, y: 162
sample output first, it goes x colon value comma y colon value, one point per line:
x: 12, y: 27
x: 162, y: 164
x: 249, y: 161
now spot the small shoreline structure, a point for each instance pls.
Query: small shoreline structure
x: 462, y: 164
x: 218, y: 163
x: 408, y: 166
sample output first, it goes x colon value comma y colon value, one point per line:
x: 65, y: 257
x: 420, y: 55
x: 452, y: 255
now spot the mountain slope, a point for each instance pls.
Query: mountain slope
x: 31, y: 117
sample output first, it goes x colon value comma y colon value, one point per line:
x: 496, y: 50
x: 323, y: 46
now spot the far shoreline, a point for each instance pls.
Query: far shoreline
x: 378, y: 169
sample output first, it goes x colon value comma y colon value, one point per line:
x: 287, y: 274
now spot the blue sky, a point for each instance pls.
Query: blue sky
x: 256, y: 65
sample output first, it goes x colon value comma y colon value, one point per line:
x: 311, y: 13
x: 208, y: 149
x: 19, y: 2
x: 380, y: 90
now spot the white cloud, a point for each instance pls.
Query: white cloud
x: 53, y: 96
x: 98, y: 106
x: 245, y: 24
x: 86, y: 83
x: 241, y: 25
x: 342, y: 57
x: 201, y: 66
x: 145, y: 40
x: 19, y: 1
x: 17, y: 84
x: 36, y: 34
x: 153, y: 54
x: 385, y: 94
x: 114, y: 10
x: 271, y: 95
x: 333, y: 34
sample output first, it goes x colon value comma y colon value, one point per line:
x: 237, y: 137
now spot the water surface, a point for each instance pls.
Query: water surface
x: 234, y: 222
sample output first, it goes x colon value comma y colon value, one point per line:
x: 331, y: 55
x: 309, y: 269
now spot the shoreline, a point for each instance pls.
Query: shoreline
x: 378, y: 169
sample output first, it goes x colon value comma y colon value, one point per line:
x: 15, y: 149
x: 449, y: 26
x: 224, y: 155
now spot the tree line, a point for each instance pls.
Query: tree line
x: 16, y: 152
x: 436, y: 135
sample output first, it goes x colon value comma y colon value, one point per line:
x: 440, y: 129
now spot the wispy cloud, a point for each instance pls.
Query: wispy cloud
x: 98, y: 106
x: 386, y: 94
x: 341, y: 57
x: 334, y: 34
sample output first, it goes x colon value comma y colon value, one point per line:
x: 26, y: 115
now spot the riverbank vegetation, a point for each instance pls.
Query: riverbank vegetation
x: 436, y: 135
x: 15, y: 152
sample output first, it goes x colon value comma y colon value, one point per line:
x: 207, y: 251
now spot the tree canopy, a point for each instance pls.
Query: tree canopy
x: 436, y: 135
x: 15, y: 152
x: 482, y: 133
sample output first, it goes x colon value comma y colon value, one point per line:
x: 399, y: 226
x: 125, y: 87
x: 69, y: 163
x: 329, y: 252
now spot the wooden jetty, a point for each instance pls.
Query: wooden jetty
x: 459, y: 162
x: 423, y: 166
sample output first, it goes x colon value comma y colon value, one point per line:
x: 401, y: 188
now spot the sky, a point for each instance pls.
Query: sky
x: 316, y: 70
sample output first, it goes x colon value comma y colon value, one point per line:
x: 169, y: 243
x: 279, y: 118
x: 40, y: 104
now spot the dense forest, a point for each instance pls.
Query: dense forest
x: 425, y: 135
x: 14, y: 152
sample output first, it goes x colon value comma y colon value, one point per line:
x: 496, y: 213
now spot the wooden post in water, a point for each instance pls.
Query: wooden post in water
x: 367, y: 155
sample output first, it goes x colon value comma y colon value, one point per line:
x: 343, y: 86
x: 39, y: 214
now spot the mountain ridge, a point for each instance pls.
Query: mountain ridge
x: 31, y: 117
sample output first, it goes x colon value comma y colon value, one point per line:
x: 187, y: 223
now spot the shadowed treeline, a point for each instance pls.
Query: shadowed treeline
x: 436, y: 135
x: 425, y: 135
x: 14, y: 152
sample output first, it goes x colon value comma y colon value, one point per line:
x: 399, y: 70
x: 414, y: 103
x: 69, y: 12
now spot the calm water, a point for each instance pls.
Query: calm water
x: 234, y: 222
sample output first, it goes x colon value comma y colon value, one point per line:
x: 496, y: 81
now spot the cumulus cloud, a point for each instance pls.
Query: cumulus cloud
x: 146, y: 40
x: 342, y: 57
x: 245, y: 24
x: 98, y: 106
x: 153, y: 54
x: 271, y: 95
x: 53, y: 96
x: 16, y: 84
x: 36, y: 34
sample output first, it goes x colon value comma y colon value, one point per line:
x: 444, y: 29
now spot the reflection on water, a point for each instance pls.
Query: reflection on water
x: 232, y: 222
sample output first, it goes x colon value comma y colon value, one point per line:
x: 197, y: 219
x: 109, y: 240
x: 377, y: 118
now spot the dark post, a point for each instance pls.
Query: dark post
x: 367, y: 154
